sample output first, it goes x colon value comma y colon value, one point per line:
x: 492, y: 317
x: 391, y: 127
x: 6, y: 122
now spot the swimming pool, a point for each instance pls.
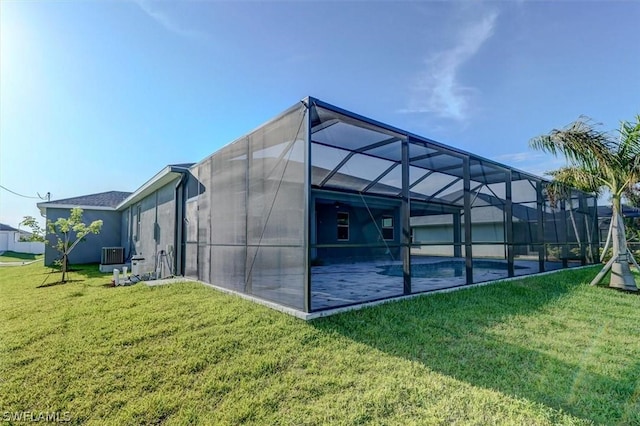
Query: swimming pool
x: 446, y: 268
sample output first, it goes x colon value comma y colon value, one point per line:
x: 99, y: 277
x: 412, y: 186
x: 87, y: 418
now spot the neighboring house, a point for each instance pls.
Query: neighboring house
x: 8, y: 234
x: 307, y: 208
x: 604, y: 218
x: 10, y: 241
x: 488, y: 230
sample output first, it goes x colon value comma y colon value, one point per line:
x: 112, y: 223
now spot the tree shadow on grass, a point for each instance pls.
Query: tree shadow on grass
x: 91, y: 270
x: 455, y: 334
x: 56, y: 283
x: 13, y: 256
x: 75, y: 273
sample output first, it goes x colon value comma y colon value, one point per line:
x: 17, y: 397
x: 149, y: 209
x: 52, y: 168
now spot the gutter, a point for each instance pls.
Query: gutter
x: 167, y: 174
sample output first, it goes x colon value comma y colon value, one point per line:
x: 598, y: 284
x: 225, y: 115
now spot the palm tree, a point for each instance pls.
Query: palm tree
x: 597, y: 162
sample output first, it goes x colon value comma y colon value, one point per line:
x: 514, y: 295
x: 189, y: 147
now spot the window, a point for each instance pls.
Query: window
x: 343, y: 226
x: 387, y: 227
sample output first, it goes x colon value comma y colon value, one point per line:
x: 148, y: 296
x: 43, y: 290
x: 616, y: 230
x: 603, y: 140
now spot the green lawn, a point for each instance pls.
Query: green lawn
x: 12, y: 256
x: 546, y: 350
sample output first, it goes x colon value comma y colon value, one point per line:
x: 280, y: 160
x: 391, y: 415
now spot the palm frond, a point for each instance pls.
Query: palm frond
x: 581, y: 143
x: 578, y: 178
x: 566, y: 179
x: 629, y: 145
x: 632, y: 195
x: 628, y: 155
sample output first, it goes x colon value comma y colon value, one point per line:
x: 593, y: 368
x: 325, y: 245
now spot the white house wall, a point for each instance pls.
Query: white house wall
x: 483, y: 232
x: 433, y: 234
x: 5, y: 236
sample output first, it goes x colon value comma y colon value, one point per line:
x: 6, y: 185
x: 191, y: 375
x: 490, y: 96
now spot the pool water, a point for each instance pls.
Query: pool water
x: 446, y: 268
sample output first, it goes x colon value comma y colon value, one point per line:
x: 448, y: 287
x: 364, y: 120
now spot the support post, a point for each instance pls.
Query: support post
x: 308, y: 209
x: 596, y: 231
x: 582, y: 207
x: 457, y: 235
x: 564, y: 252
x: 540, y: 214
x: 467, y: 220
x: 508, y: 208
x: 405, y: 218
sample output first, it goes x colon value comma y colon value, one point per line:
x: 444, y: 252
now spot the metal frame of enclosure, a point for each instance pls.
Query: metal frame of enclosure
x: 322, y: 208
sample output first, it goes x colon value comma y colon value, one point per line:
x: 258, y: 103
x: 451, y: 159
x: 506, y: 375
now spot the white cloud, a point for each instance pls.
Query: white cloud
x: 534, y: 162
x: 150, y: 8
x: 544, y: 165
x: 518, y: 157
x: 438, y: 90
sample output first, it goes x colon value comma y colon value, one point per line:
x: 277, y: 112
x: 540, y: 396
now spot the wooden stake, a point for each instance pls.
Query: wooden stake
x: 606, y: 245
x: 603, y: 272
x: 633, y: 260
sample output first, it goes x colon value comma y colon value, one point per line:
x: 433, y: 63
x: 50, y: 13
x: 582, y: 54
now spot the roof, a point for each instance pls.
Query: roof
x: 627, y: 211
x: 182, y: 165
x: 162, y: 178
x: 101, y: 201
x: 4, y: 227
x: 116, y: 200
x: 357, y: 143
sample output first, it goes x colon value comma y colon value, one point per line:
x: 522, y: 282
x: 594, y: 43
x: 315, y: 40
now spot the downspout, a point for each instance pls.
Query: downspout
x: 129, y: 232
x: 179, y: 231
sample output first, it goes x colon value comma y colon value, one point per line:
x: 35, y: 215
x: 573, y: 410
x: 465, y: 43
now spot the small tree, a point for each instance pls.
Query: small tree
x: 69, y: 233
x: 37, y: 233
x: 596, y: 161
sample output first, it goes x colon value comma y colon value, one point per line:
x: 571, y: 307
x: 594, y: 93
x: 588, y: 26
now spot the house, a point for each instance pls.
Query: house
x: 142, y: 222
x: 604, y: 222
x: 101, y: 206
x: 322, y: 208
x: 8, y: 234
x: 10, y: 241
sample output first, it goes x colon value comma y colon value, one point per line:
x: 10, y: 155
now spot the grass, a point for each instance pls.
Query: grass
x: 541, y: 350
x: 13, y: 256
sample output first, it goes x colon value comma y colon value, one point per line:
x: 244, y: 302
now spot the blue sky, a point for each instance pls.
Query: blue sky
x: 98, y: 96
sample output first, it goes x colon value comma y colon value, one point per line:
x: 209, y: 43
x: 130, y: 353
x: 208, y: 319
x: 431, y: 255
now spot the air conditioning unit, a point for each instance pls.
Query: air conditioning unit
x: 112, y: 256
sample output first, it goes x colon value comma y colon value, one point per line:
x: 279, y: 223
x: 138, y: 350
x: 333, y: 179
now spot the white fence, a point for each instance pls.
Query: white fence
x: 9, y: 242
x: 25, y: 247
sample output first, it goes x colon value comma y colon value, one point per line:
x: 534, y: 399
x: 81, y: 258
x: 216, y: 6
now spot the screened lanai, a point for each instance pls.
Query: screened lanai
x: 322, y: 208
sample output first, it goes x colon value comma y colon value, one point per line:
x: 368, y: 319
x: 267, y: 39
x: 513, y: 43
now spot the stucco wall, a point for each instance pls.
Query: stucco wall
x: 156, y: 230
x: 365, y: 227
x: 481, y: 232
x: 125, y: 233
x: 88, y: 251
x: 433, y: 234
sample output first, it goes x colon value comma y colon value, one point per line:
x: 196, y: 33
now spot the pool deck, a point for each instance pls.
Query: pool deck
x: 343, y: 284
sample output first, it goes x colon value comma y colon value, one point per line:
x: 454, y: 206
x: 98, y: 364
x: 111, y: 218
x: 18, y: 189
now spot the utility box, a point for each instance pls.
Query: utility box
x: 136, y: 263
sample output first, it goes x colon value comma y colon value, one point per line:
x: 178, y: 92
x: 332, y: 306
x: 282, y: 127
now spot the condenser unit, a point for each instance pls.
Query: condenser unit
x: 112, y: 256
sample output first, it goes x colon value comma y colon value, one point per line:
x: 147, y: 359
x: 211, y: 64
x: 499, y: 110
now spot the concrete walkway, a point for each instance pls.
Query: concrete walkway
x: 20, y: 263
x: 164, y: 281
